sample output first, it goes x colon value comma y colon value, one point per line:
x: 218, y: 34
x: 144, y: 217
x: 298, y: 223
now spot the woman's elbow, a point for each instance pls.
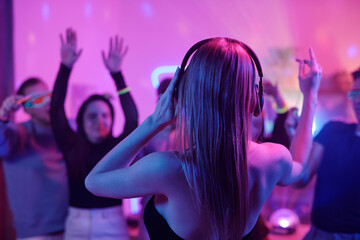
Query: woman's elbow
x: 90, y: 184
x: 303, y: 181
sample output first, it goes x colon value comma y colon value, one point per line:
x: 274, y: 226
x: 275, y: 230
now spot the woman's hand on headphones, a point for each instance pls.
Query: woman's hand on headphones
x: 165, y: 113
x: 69, y: 54
x: 115, y: 56
x: 309, y: 82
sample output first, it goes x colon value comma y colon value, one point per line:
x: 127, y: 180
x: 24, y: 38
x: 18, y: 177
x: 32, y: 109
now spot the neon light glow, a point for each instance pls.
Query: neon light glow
x: 134, y: 206
x: 160, y: 71
x: 313, y: 128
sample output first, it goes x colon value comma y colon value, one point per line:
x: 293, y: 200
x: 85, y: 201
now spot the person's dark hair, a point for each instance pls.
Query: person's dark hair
x: 163, y: 86
x: 80, y: 116
x: 27, y: 83
x: 356, y: 74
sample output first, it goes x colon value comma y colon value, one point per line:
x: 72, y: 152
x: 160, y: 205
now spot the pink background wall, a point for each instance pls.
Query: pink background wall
x: 159, y: 32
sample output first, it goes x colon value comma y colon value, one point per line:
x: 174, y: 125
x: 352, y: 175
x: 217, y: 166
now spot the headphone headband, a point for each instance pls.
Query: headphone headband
x: 251, y: 54
x: 190, y: 52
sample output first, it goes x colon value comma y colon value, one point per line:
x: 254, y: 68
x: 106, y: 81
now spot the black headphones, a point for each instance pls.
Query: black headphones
x: 253, y: 57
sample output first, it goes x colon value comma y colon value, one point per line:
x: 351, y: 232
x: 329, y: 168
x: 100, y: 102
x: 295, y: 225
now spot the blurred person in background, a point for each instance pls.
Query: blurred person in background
x: 335, y: 160
x: 35, y: 172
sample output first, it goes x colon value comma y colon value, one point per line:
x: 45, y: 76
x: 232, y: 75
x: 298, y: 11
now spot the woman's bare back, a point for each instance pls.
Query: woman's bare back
x: 180, y: 208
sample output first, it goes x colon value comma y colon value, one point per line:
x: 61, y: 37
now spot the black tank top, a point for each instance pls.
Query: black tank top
x: 156, y: 225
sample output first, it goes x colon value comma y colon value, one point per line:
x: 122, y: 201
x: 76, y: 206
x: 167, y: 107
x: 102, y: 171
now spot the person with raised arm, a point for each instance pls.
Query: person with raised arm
x: 335, y: 160
x: 215, y: 187
x: 91, y: 217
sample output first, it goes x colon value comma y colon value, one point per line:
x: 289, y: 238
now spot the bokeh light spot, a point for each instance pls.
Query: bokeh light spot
x: 45, y: 11
x: 31, y: 38
x: 107, y: 14
x: 88, y: 9
x: 352, y: 51
x: 147, y: 9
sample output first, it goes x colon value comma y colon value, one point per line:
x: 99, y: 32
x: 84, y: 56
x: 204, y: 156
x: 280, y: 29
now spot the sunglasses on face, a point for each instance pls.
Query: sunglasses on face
x: 353, y: 94
x: 36, y: 100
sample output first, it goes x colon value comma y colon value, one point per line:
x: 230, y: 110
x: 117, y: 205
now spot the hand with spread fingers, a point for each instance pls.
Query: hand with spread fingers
x: 69, y: 53
x: 117, y: 52
x: 309, y: 82
x: 164, y: 113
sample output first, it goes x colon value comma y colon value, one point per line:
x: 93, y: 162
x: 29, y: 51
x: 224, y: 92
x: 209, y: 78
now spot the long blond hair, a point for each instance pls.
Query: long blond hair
x: 216, y: 101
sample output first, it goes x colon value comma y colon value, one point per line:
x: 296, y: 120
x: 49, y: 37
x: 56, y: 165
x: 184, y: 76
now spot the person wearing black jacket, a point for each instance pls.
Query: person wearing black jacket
x: 90, y: 216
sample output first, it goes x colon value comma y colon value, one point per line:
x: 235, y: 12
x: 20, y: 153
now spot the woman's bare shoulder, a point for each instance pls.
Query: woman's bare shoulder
x: 166, y: 163
x: 268, y: 151
x: 269, y: 157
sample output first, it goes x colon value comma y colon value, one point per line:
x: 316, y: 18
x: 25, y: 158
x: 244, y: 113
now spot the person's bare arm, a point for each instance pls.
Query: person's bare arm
x: 302, y: 142
x: 112, y: 176
x: 312, y: 165
x: 63, y: 133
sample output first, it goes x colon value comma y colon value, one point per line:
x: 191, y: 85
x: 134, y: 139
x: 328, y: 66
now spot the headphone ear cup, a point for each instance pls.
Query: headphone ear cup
x: 176, y: 89
x: 259, y: 106
x: 256, y: 107
x: 259, y: 101
x: 259, y: 98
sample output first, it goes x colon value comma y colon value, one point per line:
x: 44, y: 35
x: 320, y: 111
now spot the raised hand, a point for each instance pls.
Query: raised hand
x: 69, y: 54
x: 270, y: 89
x: 9, y: 106
x: 164, y: 112
x: 309, y: 82
x: 273, y: 91
x: 115, y: 56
